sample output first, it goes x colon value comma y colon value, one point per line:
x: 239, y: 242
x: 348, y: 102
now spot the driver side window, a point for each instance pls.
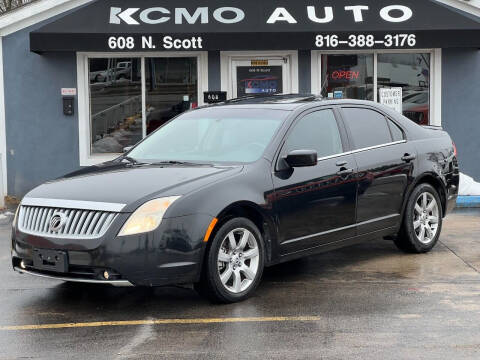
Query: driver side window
x: 316, y: 131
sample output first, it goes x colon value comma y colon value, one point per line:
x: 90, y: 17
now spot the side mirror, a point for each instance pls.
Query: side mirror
x: 127, y: 149
x: 301, y: 158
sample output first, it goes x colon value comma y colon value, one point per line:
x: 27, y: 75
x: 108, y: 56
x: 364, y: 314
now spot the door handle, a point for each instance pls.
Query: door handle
x: 341, y: 163
x: 408, y: 157
x: 344, y: 172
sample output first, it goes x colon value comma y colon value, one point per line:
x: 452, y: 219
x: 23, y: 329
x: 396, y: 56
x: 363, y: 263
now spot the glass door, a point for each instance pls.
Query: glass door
x: 260, y: 76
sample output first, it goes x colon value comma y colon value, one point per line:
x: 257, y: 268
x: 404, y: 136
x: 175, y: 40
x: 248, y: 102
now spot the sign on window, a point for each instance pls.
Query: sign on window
x: 392, y: 98
x: 253, y: 80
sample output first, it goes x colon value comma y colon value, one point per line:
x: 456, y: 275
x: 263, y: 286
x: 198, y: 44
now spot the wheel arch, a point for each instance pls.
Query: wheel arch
x: 436, y: 182
x: 257, y: 215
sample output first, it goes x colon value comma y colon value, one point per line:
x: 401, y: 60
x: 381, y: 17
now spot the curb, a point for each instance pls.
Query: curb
x: 468, y: 202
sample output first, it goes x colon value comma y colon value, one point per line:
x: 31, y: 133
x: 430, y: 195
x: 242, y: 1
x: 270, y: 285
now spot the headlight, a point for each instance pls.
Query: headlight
x: 14, y: 223
x: 147, y: 217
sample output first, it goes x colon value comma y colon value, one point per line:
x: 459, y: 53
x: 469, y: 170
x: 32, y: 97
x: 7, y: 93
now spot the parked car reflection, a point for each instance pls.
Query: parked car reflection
x: 123, y: 70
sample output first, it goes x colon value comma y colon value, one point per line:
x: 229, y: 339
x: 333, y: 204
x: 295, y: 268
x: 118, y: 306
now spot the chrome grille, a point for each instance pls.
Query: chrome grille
x: 85, y: 224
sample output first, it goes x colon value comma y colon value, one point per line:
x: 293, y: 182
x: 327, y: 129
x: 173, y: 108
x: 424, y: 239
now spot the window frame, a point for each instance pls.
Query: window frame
x: 86, y: 157
x: 349, y: 131
x: 435, y: 71
x: 341, y: 128
x: 229, y: 58
x: 389, y: 122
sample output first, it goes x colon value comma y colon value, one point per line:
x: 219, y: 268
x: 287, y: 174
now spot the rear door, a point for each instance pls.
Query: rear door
x: 385, y: 163
x: 316, y: 205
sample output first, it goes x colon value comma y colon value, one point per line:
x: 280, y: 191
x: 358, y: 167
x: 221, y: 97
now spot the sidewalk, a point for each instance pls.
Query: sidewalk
x: 468, y: 202
x: 7, y: 214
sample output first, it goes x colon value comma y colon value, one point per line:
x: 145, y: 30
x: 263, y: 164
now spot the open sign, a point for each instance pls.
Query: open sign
x: 345, y: 75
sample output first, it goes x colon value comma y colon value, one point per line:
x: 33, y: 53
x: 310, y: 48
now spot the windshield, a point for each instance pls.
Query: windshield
x: 212, y: 135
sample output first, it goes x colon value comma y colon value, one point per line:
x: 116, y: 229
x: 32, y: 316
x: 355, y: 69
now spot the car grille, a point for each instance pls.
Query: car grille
x: 86, y: 224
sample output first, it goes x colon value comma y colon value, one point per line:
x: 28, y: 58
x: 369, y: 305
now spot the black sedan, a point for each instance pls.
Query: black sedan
x: 219, y: 193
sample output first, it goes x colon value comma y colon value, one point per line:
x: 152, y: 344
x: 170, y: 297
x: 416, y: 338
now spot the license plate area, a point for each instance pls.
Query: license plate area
x: 50, y: 260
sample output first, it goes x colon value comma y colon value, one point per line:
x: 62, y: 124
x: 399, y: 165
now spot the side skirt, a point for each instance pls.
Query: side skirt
x: 380, y: 234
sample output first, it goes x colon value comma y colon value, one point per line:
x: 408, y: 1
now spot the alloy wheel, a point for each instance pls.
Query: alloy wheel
x: 426, y: 217
x: 238, y: 260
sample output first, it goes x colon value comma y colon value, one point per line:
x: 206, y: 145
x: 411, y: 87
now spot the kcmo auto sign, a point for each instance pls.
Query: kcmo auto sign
x: 172, y: 25
x: 232, y: 15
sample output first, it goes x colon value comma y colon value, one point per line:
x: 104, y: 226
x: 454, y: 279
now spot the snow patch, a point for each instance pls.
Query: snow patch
x: 468, y: 186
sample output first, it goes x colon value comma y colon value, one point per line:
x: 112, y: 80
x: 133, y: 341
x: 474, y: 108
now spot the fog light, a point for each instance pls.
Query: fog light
x: 22, y: 264
x: 106, y: 275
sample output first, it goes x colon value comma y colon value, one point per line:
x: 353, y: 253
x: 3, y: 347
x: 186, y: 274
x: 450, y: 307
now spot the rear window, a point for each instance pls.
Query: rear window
x: 367, y: 127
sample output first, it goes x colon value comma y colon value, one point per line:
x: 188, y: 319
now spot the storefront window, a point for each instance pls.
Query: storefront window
x: 171, y: 88
x: 115, y: 104
x: 347, y: 76
x: 116, y: 110
x: 411, y: 72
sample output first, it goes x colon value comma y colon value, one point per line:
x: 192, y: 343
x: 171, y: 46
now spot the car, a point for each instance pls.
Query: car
x: 419, y: 114
x: 220, y: 192
x: 121, y: 71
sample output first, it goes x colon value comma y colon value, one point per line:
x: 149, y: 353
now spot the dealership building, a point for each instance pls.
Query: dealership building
x: 80, y: 80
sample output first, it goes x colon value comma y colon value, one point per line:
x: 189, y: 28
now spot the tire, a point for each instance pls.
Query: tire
x: 241, y: 269
x: 421, y: 218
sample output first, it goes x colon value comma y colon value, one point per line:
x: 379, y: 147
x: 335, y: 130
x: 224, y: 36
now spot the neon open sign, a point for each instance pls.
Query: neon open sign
x: 345, y: 75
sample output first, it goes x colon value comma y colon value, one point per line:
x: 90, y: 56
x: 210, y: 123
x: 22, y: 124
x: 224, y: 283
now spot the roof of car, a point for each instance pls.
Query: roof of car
x: 301, y: 102
x: 288, y: 102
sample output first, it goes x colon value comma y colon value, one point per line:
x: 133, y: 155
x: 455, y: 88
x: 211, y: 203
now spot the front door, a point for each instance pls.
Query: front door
x: 260, y: 76
x: 316, y: 205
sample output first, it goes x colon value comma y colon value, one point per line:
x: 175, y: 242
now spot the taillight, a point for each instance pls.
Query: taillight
x: 454, y: 149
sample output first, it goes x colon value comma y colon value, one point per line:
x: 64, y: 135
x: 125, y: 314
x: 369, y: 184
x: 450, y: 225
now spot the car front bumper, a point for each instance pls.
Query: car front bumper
x: 172, y: 254
x: 117, y: 283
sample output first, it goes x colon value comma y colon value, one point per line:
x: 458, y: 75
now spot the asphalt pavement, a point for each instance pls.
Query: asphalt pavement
x: 363, y: 302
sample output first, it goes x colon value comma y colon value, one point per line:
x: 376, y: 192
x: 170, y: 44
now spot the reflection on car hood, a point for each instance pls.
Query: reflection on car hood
x: 127, y: 184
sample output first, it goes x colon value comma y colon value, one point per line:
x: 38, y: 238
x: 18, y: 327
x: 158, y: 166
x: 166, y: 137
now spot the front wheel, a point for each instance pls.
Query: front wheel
x: 234, y: 263
x: 422, y: 222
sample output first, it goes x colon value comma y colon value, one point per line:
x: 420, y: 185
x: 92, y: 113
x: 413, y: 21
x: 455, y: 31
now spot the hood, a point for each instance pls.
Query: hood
x: 129, y: 184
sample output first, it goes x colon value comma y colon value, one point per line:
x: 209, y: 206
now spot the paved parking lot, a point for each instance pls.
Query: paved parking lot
x: 368, y: 301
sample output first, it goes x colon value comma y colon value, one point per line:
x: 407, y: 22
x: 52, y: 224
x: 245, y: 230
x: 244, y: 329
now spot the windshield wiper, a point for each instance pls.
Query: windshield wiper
x: 130, y: 160
x: 175, y: 162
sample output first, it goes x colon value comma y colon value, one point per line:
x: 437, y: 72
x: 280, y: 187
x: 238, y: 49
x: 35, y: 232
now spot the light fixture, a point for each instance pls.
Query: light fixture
x: 147, y: 217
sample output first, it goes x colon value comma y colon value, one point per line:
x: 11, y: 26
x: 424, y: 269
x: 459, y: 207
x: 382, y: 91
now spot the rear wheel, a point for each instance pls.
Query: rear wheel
x: 234, y: 263
x: 422, y: 222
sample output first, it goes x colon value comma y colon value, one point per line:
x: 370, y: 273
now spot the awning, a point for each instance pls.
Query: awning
x: 153, y: 25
